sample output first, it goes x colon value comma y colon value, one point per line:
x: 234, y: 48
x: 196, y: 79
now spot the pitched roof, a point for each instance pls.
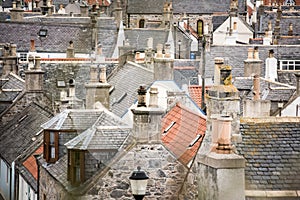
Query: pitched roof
x: 195, y: 92
x: 73, y: 120
x: 29, y: 169
x: 125, y: 86
x: 145, y: 7
x: 138, y: 37
x: 205, y: 6
x: 182, y: 133
x: 58, y: 35
x: 272, y: 151
x: 18, y: 133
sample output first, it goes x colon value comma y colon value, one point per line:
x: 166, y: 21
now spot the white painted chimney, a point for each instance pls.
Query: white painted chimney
x: 271, y: 67
x: 153, y: 101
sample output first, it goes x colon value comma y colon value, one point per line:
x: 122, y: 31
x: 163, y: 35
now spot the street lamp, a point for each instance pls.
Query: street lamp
x: 138, y: 182
x: 179, y: 44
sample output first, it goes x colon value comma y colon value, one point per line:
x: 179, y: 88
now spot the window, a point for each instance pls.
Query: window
x: 200, y: 27
x: 51, y: 146
x: 23, y: 57
x: 289, y: 64
x: 142, y: 23
x: 76, y: 167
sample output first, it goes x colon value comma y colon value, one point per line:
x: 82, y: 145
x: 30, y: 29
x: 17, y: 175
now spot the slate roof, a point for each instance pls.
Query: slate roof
x: 204, y: 6
x: 138, y: 37
x: 11, y: 87
x: 271, y: 148
x: 100, y: 138
x: 235, y: 56
x: 73, y: 120
x: 179, y: 6
x: 57, y: 40
x: 145, y: 7
x: 126, y: 80
x: 18, y: 133
x: 182, y: 133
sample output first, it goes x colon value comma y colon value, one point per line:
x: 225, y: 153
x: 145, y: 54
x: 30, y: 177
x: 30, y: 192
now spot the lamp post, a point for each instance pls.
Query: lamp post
x: 138, y: 182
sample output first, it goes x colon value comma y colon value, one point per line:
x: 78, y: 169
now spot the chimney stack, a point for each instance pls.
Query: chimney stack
x: 271, y: 67
x: 147, y: 120
x: 16, y: 13
x: 163, y: 67
x: 252, y: 66
x: 10, y: 59
x: 97, y: 90
x: 218, y: 63
x: 34, y: 77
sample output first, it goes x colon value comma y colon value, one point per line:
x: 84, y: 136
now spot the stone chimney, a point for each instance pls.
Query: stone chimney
x: 10, y: 59
x: 84, y: 10
x: 252, y: 65
x: 118, y: 13
x: 149, y: 54
x: 223, y: 99
x: 97, y: 90
x: 271, y: 67
x: 256, y: 107
x: 218, y: 64
x: 167, y: 15
x: 16, y: 13
x: 70, y: 50
x: 34, y: 78
x: 147, y: 120
x: 126, y: 53
x: 163, y: 67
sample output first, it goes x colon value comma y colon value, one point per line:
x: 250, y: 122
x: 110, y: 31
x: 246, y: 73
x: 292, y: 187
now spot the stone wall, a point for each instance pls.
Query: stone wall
x: 166, y: 176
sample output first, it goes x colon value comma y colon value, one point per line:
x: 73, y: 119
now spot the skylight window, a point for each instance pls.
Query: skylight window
x: 169, y: 127
x: 195, y: 140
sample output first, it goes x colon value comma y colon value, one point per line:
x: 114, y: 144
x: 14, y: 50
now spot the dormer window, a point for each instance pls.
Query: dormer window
x: 76, y: 164
x: 51, y: 146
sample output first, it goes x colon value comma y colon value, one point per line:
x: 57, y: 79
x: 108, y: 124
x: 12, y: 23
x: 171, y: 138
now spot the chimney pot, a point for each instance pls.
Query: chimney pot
x: 256, y: 53
x: 224, y: 136
x: 93, y: 73
x: 218, y: 63
x: 32, y: 46
x: 37, y: 62
x: 256, y: 87
x: 103, y: 74
x: 153, y: 102
x: 142, y: 96
x: 159, y: 53
x: 250, y: 53
x: 167, y: 50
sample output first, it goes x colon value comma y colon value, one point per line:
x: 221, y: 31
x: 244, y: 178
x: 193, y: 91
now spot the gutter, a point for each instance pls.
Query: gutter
x: 272, y: 193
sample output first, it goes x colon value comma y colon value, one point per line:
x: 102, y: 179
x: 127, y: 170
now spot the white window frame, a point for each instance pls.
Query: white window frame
x: 289, y: 65
x: 22, y: 57
x: 289, y: 2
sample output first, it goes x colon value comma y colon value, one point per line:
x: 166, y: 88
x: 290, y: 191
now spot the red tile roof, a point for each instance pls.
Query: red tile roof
x: 180, y: 129
x: 30, y: 162
x: 195, y: 92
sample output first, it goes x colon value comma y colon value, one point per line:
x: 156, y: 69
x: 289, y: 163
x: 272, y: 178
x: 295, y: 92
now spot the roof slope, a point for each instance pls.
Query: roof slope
x: 138, y: 37
x: 145, y: 6
x: 73, y: 120
x: 57, y: 40
x: 18, y: 133
x: 271, y: 148
x: 126, y: 81
x: 182, y: 133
